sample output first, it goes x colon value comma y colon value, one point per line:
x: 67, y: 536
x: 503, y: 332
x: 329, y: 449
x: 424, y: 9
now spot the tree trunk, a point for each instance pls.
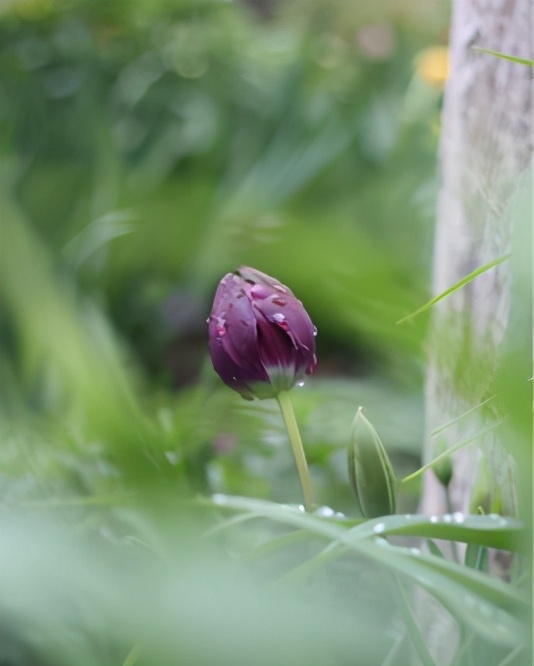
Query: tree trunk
x: 487, y: 143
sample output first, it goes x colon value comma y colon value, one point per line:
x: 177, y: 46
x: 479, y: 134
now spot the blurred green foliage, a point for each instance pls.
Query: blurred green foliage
x: 150, y: 148
x: 147, y: 148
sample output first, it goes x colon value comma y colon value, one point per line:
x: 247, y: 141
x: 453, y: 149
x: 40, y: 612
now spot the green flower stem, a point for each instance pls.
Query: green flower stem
x: 286, y: 407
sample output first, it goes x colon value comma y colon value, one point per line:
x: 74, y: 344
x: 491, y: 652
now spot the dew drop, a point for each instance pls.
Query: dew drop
x: 379, y: 528
x: 301, y: 383
x: 280, y: 320
x: 219, y: 498
x: 259, y: 291
x: 415, y: 551
x: 314, y: 331
x: 325, y: 512
x: 434, y: 519
x: 458, y: 517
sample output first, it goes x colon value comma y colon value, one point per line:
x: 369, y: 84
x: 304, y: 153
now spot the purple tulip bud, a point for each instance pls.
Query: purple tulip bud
x: 261, y: 338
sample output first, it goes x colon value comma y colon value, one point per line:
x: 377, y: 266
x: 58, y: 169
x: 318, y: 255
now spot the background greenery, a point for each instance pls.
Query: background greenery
x: 147, y: 148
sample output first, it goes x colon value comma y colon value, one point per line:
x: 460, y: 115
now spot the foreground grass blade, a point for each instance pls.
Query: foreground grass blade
x: 414, y: 632
x: 487, y: 605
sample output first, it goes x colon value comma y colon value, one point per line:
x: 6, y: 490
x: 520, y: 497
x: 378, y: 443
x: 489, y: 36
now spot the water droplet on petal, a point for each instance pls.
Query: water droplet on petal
x: 259, y: 291
x: 279, y: 319
x: 314, y: 331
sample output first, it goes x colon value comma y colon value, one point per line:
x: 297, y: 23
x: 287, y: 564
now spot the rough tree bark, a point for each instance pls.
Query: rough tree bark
x: 487, y: 143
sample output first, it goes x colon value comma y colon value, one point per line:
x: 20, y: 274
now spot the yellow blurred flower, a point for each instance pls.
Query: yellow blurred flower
x: 432, y: 65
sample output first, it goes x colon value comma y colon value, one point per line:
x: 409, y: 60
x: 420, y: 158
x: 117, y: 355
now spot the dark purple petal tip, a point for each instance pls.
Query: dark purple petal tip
x: 261, y: 339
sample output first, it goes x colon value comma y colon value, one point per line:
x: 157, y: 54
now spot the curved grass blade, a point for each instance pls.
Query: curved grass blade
x: 491, y: 531
x: 450, y: 583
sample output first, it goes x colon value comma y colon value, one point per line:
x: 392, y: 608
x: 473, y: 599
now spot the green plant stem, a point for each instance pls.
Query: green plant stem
x: 286, y: 407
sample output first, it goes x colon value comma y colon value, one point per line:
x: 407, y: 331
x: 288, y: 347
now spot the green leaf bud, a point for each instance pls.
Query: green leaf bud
x: 443, y: 468
x: 370, y: 472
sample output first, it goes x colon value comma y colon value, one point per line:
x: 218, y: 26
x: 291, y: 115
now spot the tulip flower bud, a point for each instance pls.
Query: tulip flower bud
x: 261, y: 339
x: 370, y: 472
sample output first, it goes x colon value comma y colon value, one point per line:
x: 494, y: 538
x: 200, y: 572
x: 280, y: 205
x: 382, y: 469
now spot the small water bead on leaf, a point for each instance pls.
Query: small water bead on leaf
x: 379, y: 528
x: 219, y: 498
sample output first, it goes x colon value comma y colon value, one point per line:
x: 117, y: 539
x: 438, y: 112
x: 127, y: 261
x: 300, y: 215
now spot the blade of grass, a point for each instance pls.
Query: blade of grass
x: 461, y: 283
x: 413, y: 628
x: 504, y: 56
x: 450, y: 423
x: 512, y: 657
x: 448, y: 452
x: 132, y: 656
